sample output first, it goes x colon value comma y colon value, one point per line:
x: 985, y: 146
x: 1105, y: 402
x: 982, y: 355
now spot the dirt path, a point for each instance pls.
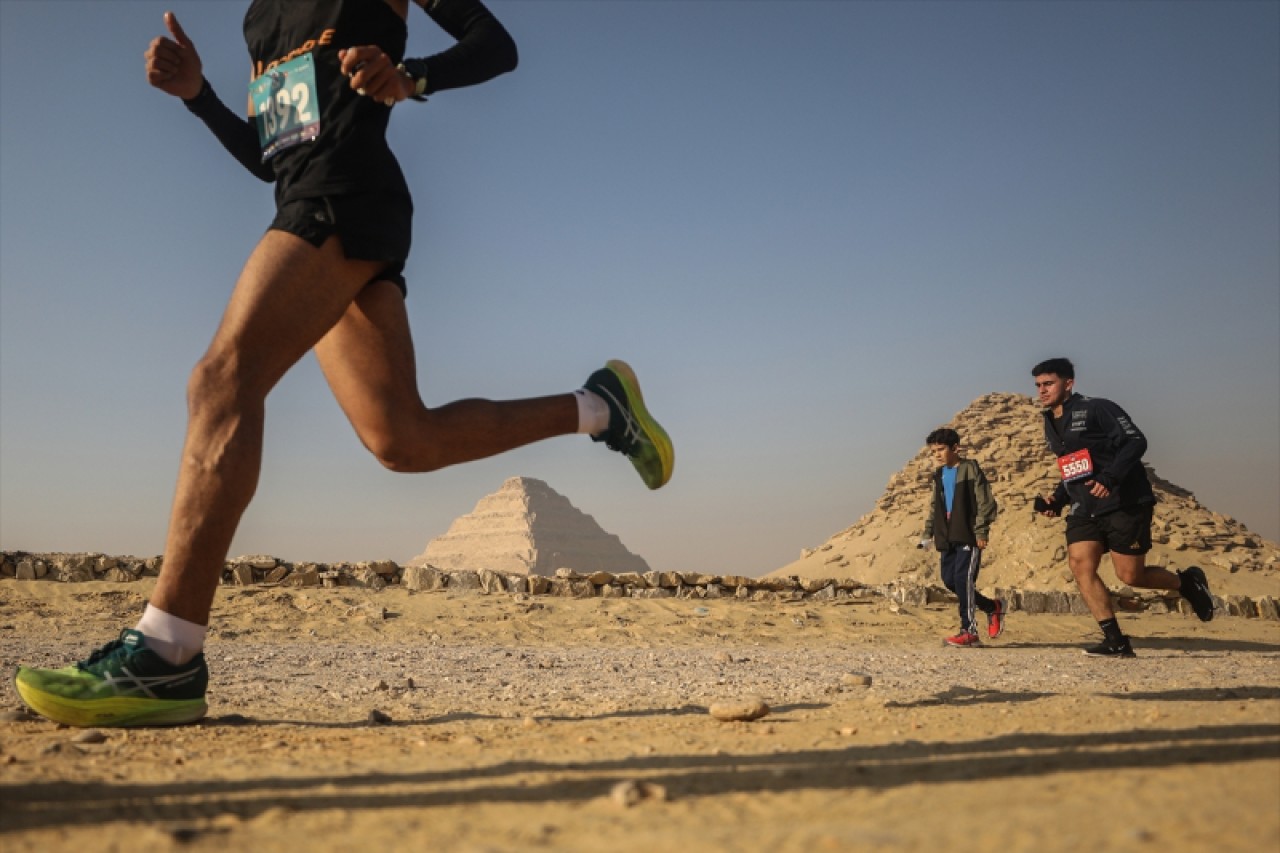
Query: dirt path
x: 507, y: 725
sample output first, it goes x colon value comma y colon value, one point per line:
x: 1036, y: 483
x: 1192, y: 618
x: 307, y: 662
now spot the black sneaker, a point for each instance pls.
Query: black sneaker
x: 1195, y: 588
x: 632, y: 430
x: 1111, y: 649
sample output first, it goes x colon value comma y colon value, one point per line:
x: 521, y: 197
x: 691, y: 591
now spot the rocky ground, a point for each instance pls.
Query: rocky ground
x: 343, y: 718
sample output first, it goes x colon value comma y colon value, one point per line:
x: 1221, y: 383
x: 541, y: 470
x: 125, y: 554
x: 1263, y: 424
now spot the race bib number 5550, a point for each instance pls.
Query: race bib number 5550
x: 285, y: 105
x: 1076, y: 466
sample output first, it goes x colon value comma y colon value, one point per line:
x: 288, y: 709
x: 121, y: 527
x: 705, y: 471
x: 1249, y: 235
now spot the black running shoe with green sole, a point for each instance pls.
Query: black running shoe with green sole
x: 632, y: 430
x: 1195, y: 588
x: 124, y: 683
x: 1111, y: 649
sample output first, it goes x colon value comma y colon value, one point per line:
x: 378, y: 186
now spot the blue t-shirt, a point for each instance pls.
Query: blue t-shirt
x: 949, y: 486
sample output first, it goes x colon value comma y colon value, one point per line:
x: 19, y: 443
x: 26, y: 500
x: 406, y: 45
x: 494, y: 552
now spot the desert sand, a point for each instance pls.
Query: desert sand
x: 348, y: 719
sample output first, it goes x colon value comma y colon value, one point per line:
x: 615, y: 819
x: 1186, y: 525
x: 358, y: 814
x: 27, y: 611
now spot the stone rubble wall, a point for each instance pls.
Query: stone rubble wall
x: 268, y: 571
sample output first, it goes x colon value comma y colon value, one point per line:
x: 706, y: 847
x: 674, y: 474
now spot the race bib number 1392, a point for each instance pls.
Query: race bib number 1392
x: 285, y: 105
x: 1076, y: 466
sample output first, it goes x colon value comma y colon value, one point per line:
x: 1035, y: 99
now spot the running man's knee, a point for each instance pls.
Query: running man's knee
x: 218, y: 387
x: 1130, y: 570
x: 401, y: 448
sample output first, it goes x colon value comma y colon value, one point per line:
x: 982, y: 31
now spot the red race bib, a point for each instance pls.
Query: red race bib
x: 1076, y: 466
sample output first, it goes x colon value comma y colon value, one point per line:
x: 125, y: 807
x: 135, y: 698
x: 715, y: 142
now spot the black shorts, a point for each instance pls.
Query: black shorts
x: 371, y: 228
x: 1123, y: 531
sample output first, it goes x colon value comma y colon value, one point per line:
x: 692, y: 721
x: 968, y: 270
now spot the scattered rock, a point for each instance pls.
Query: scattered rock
x: 631, y: 793
x: 746, y: 709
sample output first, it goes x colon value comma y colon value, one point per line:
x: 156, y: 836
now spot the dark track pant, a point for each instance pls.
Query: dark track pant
x: 960, y: 572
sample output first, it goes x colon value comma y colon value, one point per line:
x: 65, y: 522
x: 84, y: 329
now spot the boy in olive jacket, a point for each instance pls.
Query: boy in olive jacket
x: 961, y: 510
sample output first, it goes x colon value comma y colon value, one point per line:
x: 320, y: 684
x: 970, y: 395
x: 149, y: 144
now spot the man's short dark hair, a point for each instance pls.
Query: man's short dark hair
x: 1060, y: 367
x: 943, y: 435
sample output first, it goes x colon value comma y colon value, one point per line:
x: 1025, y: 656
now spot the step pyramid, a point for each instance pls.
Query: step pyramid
x: 1004, y: 433
x: 527, y: 527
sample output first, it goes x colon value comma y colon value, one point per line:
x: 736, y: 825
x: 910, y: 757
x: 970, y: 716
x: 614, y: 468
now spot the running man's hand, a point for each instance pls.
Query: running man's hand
x: 1097, y: 489
x: 1046, y: 506
x: 982, y: 544
x: 373, y: 74
x: 173, y: 66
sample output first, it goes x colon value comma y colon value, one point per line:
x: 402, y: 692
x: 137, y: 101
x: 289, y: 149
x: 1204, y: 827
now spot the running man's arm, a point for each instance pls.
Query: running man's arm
x: 1127, y: 440
x: 484, y: 48
x: 238, y: 135
x: 174, y: 67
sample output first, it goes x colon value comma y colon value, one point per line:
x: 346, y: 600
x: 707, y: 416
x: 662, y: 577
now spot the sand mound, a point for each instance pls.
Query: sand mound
x: 1003, y: 433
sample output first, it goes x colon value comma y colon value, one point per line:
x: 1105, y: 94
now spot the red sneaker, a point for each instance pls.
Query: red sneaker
x: 995, y: 620
x: 964, y: 640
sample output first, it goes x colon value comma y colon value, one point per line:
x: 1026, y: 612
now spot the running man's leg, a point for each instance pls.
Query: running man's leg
x: 1084, y: 558
x: 368, y: 360
x: 289, y: 295
x: 1133, y: 570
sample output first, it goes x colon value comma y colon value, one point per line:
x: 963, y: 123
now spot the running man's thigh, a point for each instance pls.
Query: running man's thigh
x: 368, y: 361
x: 289, y: 295
x: 1085, y: 555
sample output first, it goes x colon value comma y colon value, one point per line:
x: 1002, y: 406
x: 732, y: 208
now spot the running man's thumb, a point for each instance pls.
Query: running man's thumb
x: 175, y: 29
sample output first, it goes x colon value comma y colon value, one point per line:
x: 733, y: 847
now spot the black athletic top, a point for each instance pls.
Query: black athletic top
x: 1116, y: 446
x: 350, y: 151
x: 341, y: 148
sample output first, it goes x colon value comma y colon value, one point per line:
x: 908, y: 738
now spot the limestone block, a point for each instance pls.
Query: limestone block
x: 423, y: 578
x: 464, y: 579
x: 303, y: 577
x: 491, y: 582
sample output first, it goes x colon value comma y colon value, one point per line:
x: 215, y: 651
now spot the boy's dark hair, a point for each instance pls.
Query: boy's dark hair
x: 1060, y: 367
x: 943, y: 435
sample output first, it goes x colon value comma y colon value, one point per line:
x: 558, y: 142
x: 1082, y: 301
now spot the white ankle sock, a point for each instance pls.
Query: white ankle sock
x: 176, y: 640
x: 593, y: 412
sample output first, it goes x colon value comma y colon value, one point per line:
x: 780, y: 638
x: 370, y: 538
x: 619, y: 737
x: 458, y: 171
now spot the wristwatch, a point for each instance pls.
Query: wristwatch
x: 415, y: 70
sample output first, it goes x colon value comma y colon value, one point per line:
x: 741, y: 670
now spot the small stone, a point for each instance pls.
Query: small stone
x: 739, y: 710
x: 467, y: 740
x: 529, y: 722
x: 631, y: 793
x: 89, y: 736
x: 854, y: 679
x: 379, y: 718
x: 16, y: 715
x: 723, y: 657
x: 849, y: 731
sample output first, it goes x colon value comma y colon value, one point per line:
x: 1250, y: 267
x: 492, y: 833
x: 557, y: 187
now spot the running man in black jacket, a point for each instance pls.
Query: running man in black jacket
x: 1108, y: 499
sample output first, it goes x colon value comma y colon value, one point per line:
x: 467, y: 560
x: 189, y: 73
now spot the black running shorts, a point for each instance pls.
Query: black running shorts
x: 1124, y: 531
x: 371, y: 228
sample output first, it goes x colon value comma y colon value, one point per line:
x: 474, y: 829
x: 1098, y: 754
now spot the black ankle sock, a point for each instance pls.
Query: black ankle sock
x: 1111, y: 629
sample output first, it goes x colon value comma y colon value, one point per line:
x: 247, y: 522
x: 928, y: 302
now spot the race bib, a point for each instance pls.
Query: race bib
x: 286, y: 105
x: 1076, y: 466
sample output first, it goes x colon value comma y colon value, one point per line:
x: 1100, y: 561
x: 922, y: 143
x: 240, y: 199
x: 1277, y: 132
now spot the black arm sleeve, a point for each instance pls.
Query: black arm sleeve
x: 238, y: 135
x: 1125, y: 437
x: 484, y: 50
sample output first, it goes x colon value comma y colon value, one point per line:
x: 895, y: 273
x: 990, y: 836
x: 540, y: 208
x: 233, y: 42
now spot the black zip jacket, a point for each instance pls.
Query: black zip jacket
x: 1116, y: 446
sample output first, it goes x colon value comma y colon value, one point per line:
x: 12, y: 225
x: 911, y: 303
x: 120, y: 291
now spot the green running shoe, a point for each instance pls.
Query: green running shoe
x: 632, y: 430
x: 124, y: 683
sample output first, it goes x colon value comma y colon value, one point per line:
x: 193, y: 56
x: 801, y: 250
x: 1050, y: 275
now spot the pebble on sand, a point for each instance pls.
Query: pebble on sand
x: 744, y: 709
x: 630, y: 793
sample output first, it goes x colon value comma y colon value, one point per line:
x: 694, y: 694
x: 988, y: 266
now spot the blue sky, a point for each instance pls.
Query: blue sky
x: 816, y: 229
